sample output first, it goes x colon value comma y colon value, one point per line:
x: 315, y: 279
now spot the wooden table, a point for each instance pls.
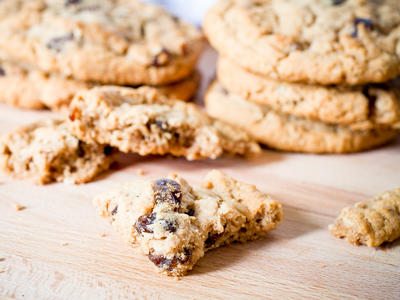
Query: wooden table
x: 58, y: 248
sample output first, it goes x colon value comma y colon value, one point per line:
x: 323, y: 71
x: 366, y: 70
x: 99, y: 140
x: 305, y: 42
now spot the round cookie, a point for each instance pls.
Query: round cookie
x: 110, y: 41
x: 311, y: 41
x: 359, y: 107
x: 289, y: 133
x: 33, y: 89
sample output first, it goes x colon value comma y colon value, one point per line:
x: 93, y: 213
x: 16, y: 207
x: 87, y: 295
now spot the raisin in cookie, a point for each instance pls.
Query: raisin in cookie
x: 371, y: 222
x: 30, y: 88
x: 174, y: 224
x: 311, y: 41
x: 146, y: 122
x: 45, y: 151
x: 361, y: 106
x: 287, y: 132
x: 109, y: 41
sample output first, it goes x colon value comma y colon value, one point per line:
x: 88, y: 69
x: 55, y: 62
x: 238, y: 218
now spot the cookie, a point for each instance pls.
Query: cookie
x: 33, y: 89
x: 45, y: 152
x: 174, y: 224
x: 311, y: 41
x: 109, y: 41
x: 371, y: 222
x: 146, y: 122
x: 359, y: 107
x: 29, y: 88
x: 287, y: 132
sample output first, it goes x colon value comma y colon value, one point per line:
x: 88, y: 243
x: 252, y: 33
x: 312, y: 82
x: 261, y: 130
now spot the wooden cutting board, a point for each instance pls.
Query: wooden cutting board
x: 58, y: 248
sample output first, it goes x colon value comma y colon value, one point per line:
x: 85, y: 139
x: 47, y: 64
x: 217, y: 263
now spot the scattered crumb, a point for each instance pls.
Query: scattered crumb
x: 19, y: 207
x: 338, y: 265
x: 177, y: 278
x: 1, y: 271
x: 102, y: 234
x: 2, y: 259
x: 208, y: 185
x: 323, y: 266
x: 64, y: 244
x: 141, y: 172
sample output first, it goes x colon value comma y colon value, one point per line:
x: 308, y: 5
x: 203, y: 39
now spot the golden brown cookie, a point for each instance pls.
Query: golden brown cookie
x: 287, y: 132
x: 174, y: 223
x: 371, y: 222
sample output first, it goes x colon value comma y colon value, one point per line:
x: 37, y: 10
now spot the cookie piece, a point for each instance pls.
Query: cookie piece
x: 146, y: 122
x: 45, y: 151
x: 287, y: 132
x: 109, y: 41
x: 311, y: 41
x: 174, y: 224
x: 33, y: 89
x: 359, y: 107
x: 371, y: 222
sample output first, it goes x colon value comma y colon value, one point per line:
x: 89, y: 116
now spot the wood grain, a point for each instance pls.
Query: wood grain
x: 53, y: 249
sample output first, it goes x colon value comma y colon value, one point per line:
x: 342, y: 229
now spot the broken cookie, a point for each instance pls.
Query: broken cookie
x: 146, y: 122
x: 174, y: 224
x: 371, y: 222
x: 46, y: 151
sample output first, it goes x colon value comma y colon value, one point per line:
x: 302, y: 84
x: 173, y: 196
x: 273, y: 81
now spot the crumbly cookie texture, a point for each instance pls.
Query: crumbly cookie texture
x: 174, y: 224
x: 110, y: 41
x: 371, y: 222
x: 45, y: 152
x: 311, y: 41
x: 30, y: 88
x: 359, y: 107
x: 146, y: 122
x: 287, y: 132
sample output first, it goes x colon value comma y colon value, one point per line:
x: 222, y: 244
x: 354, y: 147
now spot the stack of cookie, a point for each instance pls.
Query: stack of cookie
x: 51, y: 49
x: 309, y: 76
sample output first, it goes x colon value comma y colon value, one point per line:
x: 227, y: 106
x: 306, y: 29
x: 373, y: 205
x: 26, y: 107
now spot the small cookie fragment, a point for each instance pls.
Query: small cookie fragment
x: 371, y: 222
x: 146, y: 122
x: 46, y: 151
x: 19, y: 207
x: 174, y: 224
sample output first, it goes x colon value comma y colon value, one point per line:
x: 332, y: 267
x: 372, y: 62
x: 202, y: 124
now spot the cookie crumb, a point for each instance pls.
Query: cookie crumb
x: 2, y: 259
x: 141, y: 172
x: 19, y: 207
x: 208, y: 185
x: 1, y: 271
x: 102, y: 234
x: 323, y: 266
x: 64, y: 244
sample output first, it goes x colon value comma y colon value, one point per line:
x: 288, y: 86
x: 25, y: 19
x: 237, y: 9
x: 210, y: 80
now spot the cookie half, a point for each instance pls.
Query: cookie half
x: 174, y: 223
x: 359, y: 107
x: 117, y: 42
x: 287, y: 132
x: 29, y: 88
x: 146, y: 122
x: 311, y: 41
x: 45, y: 152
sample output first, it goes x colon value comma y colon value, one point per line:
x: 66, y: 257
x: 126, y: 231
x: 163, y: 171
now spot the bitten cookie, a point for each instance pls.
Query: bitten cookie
x: 359, y: 107
x: 371, y: 222
x: 45, y: 151
x: 174, y: 224
x: 311, y: 41
x: 29, y: 88
x: 109, y: 41
x: 146, y: 122
x: 287, y: 132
